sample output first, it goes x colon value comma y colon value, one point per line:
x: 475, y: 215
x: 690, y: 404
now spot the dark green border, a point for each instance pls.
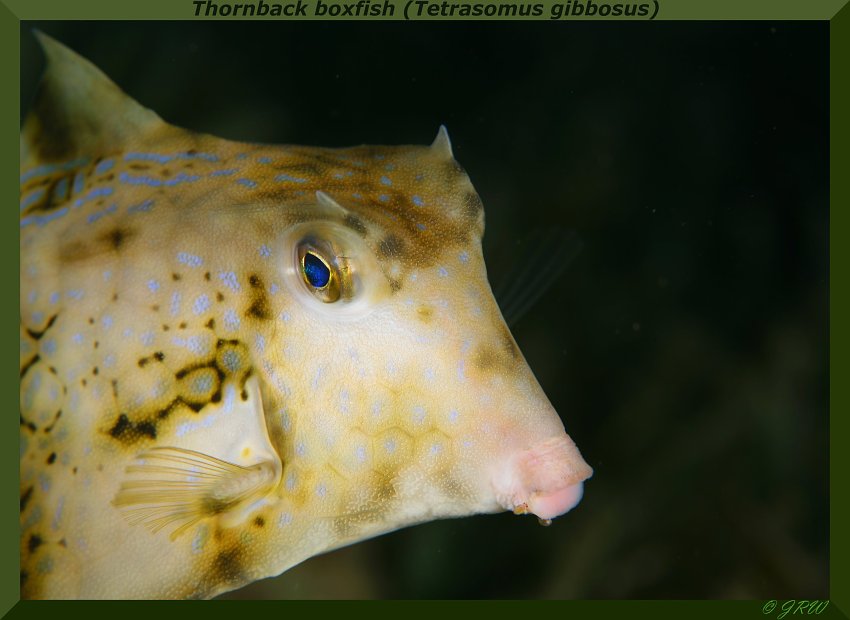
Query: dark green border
x: 839, y: 157
x: 667, y: 9
x: 10, y: 51
x: 12, y: 11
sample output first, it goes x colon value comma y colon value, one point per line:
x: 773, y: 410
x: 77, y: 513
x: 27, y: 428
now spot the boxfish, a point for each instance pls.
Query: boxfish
x: 236, y: 356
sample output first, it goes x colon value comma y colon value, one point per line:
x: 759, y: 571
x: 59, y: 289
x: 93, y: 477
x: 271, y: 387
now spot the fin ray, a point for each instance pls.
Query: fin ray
x: 545, y: 256
x: 171, y: 486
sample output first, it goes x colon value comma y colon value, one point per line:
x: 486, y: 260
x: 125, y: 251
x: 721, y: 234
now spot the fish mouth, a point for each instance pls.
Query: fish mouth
x: 546, y: 480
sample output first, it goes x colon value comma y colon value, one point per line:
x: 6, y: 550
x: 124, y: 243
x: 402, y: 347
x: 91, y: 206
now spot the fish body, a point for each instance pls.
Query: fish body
x: 237, y: 356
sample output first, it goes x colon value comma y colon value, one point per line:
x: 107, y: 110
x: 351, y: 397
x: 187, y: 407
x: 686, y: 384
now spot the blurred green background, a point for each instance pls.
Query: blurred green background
x: 685, y: 348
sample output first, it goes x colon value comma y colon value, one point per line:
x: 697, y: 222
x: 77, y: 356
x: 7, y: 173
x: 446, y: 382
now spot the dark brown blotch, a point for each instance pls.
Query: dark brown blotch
x: 25, y: 498
x: 118, y: 237
x: 76, y: 251
x: 158, y: 356
x: 25, y: 368
x: 485, y: 358
x: 391, y: 246
x: 130, y: 432
x: 509, y: 344
x: 215, y: 506
x: 34, y: 542
x: 49, y: 428
x: 260, y: 308
x: 355, y: 224
x: 196, y: 402
x: 37, y: 334
x: 227, y: 566
x: 27, y: 424
x: 504, y: 357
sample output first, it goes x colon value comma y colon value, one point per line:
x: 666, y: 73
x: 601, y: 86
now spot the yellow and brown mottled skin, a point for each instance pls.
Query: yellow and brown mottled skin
x: 163, y: 306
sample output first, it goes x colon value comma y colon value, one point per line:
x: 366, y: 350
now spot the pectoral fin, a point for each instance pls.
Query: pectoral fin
x: 174, y: 487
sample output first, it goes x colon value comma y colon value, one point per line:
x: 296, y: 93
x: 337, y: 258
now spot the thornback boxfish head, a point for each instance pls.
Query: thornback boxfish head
x: 236, y: 356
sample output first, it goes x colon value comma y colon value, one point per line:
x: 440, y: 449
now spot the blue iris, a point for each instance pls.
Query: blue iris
x: 316, y: 271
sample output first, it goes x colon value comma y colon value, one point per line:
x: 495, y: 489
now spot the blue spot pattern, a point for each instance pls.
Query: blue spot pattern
x: 104, y: 166
x: 41, y: 220
x: 46, y: 169
x: 164, y: 159
x: 32, y: 198
x: 152, y: 182
x: 291, y: 179
x: 97, y: 192
x: 141, y: 207
x: 189, y: 259
x: 96, y: 216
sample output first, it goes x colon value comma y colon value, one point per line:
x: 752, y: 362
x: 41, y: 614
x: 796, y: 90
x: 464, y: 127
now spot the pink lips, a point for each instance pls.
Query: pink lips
x: 551, y: 505
x: 545, y: 480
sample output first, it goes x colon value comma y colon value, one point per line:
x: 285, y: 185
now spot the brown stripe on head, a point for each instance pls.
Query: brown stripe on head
x: 410, y: 202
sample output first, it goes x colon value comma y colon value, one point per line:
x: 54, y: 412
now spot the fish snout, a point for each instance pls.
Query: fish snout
x: 546, y: 480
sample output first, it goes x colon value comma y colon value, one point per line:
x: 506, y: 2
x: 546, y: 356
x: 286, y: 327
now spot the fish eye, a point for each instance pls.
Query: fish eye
x: 329, y: 268
x: 319, y: 274
x: 316, y: 271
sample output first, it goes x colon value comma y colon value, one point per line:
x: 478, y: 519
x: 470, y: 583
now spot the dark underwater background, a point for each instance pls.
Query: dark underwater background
x: 685, y: 347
